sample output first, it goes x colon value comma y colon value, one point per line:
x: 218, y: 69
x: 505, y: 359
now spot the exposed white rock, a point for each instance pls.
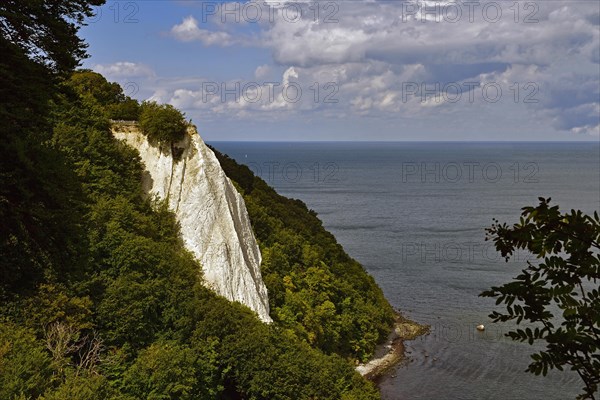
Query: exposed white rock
x: 214, y: 221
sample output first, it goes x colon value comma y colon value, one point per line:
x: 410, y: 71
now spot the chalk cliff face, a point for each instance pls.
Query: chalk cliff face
x: 214, y: 221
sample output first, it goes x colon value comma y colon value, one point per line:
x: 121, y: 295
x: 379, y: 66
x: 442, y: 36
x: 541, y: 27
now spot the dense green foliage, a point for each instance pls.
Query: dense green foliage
x: 105, y: 97
x: 315, y: 289
x: 37, y: 44
x: 98, y: 297
x: 162, y: 123
x: 560, y: 296
x: 46, y: 31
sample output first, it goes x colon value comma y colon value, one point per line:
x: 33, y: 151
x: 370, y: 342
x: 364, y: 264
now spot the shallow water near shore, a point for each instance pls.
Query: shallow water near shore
x: 414, y: 215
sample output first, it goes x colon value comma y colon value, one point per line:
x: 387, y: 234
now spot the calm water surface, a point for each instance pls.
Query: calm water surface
x: 414, y: 215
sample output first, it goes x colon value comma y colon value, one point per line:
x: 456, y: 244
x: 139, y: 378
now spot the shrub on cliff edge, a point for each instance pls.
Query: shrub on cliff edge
x: 162, y: 123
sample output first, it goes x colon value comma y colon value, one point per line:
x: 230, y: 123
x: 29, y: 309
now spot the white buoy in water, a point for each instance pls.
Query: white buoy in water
x: 480, y: 328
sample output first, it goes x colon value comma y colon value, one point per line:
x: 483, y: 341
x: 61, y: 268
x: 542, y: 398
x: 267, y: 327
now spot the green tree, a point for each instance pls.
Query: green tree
x: 162, y: 123
x: 127, y: 110
x: 38, y: 195
x: 89, y: 84
x: 47, y: 30
x: 96, y: 92
x: 163, y: 371
x: 39, y: 43
x: 25, y: 366
x: 559, y: 297
x: 83, y: 387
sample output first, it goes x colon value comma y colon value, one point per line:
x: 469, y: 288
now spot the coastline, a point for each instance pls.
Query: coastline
x: 391, y: 352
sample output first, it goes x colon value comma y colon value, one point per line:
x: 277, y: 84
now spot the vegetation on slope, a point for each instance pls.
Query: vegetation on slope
x: 316, y: 291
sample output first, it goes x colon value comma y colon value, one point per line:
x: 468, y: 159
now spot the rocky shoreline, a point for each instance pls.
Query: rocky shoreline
x: 390, y: 353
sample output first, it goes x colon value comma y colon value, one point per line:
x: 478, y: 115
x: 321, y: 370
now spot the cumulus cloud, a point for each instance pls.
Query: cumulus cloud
x: 262, y: 71
x: 396, y: 33
x: 189, y: 31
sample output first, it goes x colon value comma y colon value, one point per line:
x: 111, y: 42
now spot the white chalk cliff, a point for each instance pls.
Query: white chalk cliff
x: 214, y: 221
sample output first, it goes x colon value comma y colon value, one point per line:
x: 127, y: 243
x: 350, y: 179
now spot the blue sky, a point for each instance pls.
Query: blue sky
x: 360, y: 70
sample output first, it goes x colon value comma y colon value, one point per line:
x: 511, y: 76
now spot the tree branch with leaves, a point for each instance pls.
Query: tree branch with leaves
x: 560, y: 296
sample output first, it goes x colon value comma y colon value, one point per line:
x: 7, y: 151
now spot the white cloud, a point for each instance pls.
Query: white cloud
x: 387, y: 31
x: 262, y: 71
x: 587, y: 130
x: 188, y: 31
x: 124, y: 69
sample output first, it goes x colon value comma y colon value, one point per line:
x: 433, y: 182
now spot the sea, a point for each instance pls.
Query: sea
x: 414, y: 214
